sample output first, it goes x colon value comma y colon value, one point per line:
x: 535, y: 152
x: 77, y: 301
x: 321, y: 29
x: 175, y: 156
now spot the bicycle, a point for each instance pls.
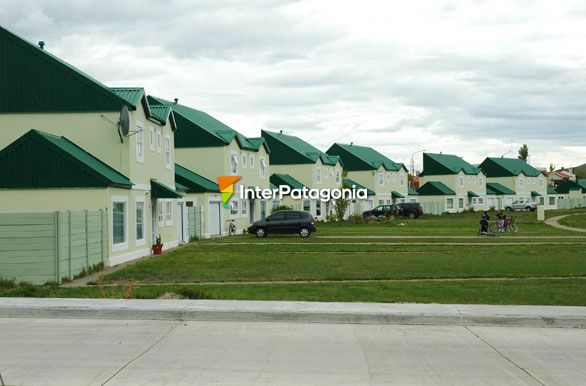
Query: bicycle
x: 508, y: 226
x: 231, y: 228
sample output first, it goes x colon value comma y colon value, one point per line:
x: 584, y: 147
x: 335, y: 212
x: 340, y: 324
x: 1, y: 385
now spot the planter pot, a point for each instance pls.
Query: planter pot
x: 157, y: 249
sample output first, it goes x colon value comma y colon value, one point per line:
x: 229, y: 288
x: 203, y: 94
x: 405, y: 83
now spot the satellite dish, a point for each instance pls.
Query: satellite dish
x: 124, y: 122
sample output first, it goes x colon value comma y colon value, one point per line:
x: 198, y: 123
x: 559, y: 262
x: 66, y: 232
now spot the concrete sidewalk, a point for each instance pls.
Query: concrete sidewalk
x: 308, y: 312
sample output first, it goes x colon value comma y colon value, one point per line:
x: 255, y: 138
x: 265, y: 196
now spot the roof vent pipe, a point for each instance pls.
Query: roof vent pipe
x: 280, y: 131
x: 351, y: 143
x: 42, y: 45
x: 176, y: 100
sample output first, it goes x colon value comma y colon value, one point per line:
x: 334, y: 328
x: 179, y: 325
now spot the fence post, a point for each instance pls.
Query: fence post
x: 56, y: 248
x: 87, y: 242
x: 69, y: 241
x: 105, y: 240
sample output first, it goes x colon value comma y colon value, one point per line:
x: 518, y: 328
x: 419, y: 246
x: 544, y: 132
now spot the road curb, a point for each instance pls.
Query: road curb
x: 300, y: 312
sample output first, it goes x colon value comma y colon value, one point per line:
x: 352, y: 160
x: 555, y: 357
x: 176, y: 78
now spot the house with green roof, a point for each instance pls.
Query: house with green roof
x: 292, y: 156
x: 567, y: 194
x: 527, y: 183
x: 369, y: 168
x: 42, y: 92
x: 453, y: 182
x: 210, y: 148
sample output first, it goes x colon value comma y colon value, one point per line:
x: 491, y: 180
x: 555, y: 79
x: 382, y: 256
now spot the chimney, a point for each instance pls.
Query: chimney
x: 280, y: 131
x: 176, y: 100
x: 42, y: 45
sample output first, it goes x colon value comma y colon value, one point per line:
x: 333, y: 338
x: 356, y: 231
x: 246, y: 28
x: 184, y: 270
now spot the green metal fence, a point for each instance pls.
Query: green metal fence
x: 47, y: 247
x: 195, y: 222
x: 433, y: 207
x: 571, y: 203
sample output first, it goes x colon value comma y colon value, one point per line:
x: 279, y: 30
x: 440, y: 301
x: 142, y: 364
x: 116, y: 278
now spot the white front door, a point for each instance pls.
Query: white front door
x: 214, y: 213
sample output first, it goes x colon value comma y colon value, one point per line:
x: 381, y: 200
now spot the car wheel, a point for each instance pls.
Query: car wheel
x: 304, y: 232
x: 509, y: 209
x: 260, y: 232
x: 411, y: 215
x: 528, y: 209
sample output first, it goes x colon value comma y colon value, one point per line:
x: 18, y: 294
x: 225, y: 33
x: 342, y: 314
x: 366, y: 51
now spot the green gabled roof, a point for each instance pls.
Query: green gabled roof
x: 132, y: 95
x: 506, y: 167
x: 33, y: 80
x: 356, y: 158
x: 289, y: 150
x: 257, y: 142
x: 160, y: 190
x: 442, y: 164
x: 199, y: 129
x: 413, y: 192
x: 582, y: 183
x: 194, y: 182
x: 494, y: 188
x: 565, y: 186
x: 348, y: 183
x: 180, y: 187
x: 435, y: 188
x: 41, y: 160
x: 551, y: 190
x: 285, y: 179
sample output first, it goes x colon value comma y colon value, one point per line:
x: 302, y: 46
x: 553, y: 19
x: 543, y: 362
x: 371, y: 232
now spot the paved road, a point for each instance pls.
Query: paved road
x: 149, y: 352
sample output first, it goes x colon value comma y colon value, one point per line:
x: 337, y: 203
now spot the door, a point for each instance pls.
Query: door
x: 251, y: 211
x: 153, y: 221
x: 214, y: 216
x: 180, y: 223
x: 263, y: 210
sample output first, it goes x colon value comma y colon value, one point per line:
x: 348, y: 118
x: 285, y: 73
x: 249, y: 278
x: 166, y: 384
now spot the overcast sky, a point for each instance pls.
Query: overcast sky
x: 473, y: 78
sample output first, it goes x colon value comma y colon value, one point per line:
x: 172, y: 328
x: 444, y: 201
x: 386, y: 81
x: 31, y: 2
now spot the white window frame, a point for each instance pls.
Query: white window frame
x: 326, y: 173
x: 449, y: 203
x: 521, y: 182
x: 550, y: 203
x: 124, y: 245
x: 338, y: 176
x: 139, y: 138
x: 251, y: 161
x: 244, y: 160
x: 234, y: 163
x: 168, y: 213
x: 152, y: 138
x: 388, y: 177
x: 140, y: 200
x: 160, y: 212
x: 469, y: 179
x: 480, y: 201
x: 317, y: 175
x: 541, y: 183
x: 233, y: 208
x: 394, y: 176
x: 168, y: 155
x: 460, y: 202
x: 461, y: 181
x: 402, y: 183
x: 308, y: 202
x: 262, y: 167
x: 480, y: 181
x: 244, y: 208
x: 159, y: 141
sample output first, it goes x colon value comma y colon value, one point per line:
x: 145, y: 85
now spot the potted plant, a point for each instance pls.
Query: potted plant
x: 157, y: 246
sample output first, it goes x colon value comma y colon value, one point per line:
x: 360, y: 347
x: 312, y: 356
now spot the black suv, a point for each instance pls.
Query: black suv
x: 383, y: 210
x: 284, y: 221
x: 411, y: 209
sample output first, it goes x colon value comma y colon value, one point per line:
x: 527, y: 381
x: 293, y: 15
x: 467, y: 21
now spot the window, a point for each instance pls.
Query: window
x: 292, y: 215
x: 551, y: 201
x: 521, y: 181
x: 234, y: 208
x: 276, y: 203
x: 167, y: 151
x: 244, y: 207
x: 389, y: 202
x: 473, y: 200
x: 318, y: 208
x: 318, y: 175
x: 234, y: 164
x: 381, y: 202
x: 461, y: 203
x: 262, y: 167
x: 251, y: 161
x: 473, y: 178
x: 152, y: 138
x: 540, y: 183
x: 450, y: 203
x: 461, y: 181
x: 480, y: 201
x: 244, y: 160
x: 279, y: 216
x: 541, y: 200
x: 388, y: 177
x: 139, y: 221
x: 402, y: 180
x: 160, y: 216
x: 469, y: 179
x: 381, y: 178
x: 168, y: 212
x: 119, y: 222
x: 139, y: 143
x: 337, y: 176
x: 306, y: 205
x: 394, y: 177
x: 159, y: 139
x: 412, y: 200
x: 480, y: 181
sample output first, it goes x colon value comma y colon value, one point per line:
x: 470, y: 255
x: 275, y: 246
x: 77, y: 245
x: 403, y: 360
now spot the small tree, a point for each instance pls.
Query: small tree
x: 524, y: 152
x: 551, y: 167
x: 341, y: 206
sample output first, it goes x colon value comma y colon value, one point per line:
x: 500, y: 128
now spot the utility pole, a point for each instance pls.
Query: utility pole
x: 413, y: 161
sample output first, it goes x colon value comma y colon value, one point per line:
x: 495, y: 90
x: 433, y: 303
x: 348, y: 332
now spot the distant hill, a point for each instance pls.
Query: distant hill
x: 580, y: 171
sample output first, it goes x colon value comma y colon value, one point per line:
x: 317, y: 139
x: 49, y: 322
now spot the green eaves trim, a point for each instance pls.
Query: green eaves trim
x: 285, y: 179
x: 194, y: 182
x: 45, y: 83
x: 159, y: 190
x: 396, y: 194
x: 350, y: 184
x: 435, y: 188
x: 40, y: 160
x: 471, y: 194
x: 535, y: 194
x: 412, y: 192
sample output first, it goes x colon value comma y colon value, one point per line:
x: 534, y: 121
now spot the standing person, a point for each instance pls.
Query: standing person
x: 484, y: 225
x: 485, y: 215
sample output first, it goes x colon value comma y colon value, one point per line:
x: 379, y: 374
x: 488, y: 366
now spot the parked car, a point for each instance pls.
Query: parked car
x: 410, y: 209
x: 521, y: 205
x: 382, y: 210
x: 284, y: 221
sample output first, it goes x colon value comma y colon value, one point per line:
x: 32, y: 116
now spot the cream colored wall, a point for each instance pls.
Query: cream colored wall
x: 529, y: 184
x: 49, y: 200
x: 473, y: 183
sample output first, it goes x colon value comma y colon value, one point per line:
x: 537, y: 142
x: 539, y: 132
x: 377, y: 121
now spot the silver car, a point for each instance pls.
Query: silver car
x: 522, y: 205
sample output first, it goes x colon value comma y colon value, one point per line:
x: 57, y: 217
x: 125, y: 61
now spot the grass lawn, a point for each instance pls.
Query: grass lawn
x: 576, y: 221
x: 434, y: 259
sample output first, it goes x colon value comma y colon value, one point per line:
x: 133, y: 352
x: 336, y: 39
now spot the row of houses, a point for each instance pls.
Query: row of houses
x: 72, y: 143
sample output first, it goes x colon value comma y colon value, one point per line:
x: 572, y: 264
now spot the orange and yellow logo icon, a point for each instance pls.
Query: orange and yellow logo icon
x: 226, y: 184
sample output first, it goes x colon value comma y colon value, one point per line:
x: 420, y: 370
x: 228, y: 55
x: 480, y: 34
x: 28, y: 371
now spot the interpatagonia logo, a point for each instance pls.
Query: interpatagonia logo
x: 226, y: 184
